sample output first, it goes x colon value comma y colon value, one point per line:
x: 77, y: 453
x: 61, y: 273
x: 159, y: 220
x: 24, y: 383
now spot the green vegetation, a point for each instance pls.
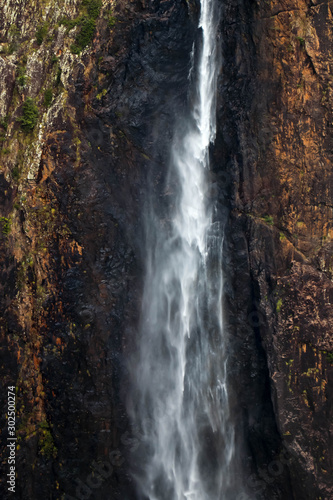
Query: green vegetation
x: 93, y: 8
x: 282, y: 236
x: 269, y: 219
x: 46, y: 443
x: 41, y: 33
x: 329, y: 357
x: 85, y: 35
x: 70, y: 23
x: 311, y: 372
x: 54, y: 59
x: 48, y: 97
x: 6, y: 224
x: 301, y: 41
x: 29, y: 115
x: 87, y: 24
x: 101, y: 94
x: 278, y: 305
x: 21, y: 76
x: 112, y: 21
x: 13, y: 34
x: 4, y: 125
x: 4, y: 122
x: 58, y: 77
x: 16, y: 173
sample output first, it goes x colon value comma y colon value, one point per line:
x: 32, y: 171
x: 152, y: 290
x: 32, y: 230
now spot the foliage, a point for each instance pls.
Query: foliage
x: 329, y: 357
x: 85, y: 35
x: 112, y: 21
x: 269, y: 219
x: 278, y: 305
x: 6, y: 225
x: 87, y: 25
x: 93, y: 8
x: 41, y: 33
x: 4, y: 122
x: 46, y: 443
x: 48, y: 97
x: 14, y: 34
x: 29, y: 115
x: 70, y: 23
x: 54, y: 59
x: 101, y: 94
x: 13, y: 31
x: 21, y: 76
x: 58, y: 77
x: 301, y: 41
x: 16, y: 173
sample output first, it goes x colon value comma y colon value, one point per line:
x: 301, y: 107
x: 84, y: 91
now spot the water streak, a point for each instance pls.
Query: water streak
x: 181, y: 390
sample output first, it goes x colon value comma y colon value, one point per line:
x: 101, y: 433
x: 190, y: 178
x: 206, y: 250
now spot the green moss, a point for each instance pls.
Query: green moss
x: 54, y: 59
x: 41, y: 33
x: 48, y: 97
x: 29, y: 116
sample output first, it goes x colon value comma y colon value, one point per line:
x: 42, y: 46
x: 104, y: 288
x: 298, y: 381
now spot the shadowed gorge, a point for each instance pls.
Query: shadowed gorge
x: 98, y: 101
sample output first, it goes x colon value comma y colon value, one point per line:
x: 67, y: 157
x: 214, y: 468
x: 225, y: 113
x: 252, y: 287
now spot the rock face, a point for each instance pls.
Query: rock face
x: 73, y: 188
x: 275, y: 142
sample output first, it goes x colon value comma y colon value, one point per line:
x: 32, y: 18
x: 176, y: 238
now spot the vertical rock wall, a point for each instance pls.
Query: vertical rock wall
x: 276, y: 144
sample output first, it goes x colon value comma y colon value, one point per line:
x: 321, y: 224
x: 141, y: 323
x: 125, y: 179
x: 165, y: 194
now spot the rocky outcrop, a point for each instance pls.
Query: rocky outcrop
x: 108, y: 80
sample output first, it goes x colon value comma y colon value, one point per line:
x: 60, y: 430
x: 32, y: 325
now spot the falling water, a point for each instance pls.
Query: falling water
x: 180, y: 377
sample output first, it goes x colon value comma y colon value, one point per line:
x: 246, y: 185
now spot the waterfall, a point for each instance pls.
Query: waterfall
x: 180, y: 401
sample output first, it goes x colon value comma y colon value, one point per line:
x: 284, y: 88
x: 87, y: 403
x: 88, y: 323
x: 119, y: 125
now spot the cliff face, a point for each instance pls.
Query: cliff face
x: 276, y: 142
x: 88, y: 96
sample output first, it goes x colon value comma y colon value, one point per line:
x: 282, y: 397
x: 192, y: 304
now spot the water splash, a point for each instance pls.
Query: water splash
x: 180, y: 399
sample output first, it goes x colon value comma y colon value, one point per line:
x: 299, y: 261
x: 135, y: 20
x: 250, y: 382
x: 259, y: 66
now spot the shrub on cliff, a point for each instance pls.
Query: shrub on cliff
x: 93, y: 8
x: 29, y: 116
x: 85, y: 35
x: 87, y: 25
x: 48, y: 97
x: 41, y: 33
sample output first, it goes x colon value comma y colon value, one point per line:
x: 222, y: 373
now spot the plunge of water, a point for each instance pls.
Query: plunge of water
x: 180, y: 401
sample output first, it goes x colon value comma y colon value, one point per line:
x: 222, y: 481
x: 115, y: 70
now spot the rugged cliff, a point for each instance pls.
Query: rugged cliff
x: 88, y: 96
x: 276, y: 143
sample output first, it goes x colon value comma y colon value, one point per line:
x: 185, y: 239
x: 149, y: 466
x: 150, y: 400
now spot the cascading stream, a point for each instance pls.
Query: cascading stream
x: 180, y: 377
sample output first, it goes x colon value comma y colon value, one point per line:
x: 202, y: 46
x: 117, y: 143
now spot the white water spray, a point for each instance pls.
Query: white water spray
x: 181, y: 403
